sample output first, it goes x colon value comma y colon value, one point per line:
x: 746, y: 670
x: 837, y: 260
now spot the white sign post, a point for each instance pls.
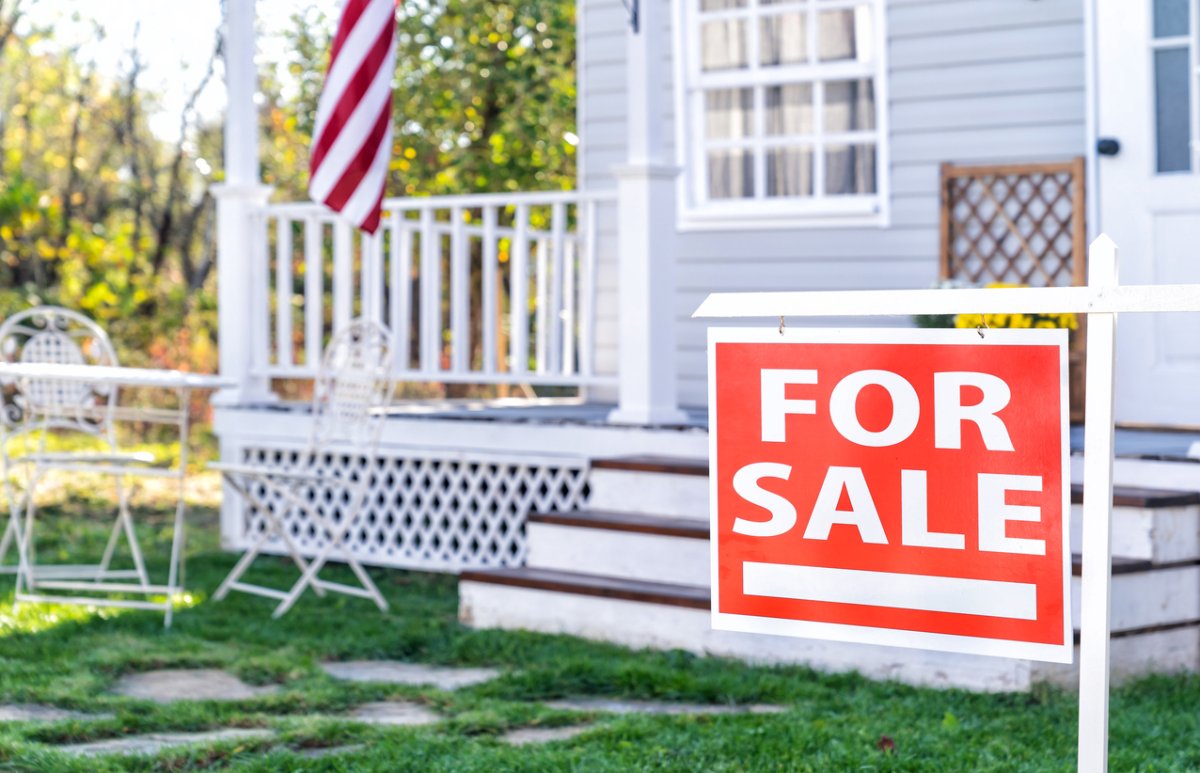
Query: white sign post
x: 1102, y: 299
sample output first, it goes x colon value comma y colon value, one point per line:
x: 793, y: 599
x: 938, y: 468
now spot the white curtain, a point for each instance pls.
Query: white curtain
x: 723, y: 45
x: 849, y: 169
x: 783, y: 39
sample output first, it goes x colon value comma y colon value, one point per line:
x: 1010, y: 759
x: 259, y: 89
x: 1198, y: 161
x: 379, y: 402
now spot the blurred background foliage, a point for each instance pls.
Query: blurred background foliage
x: 100, y: 214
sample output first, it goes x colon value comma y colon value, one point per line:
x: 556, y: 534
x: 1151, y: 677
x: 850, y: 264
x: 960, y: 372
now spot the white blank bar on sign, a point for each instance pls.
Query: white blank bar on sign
x: 993, y: 598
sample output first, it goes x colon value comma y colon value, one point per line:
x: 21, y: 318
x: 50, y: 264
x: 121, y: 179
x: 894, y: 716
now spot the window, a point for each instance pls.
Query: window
x: 1176, y: 80
x: 782, y: 102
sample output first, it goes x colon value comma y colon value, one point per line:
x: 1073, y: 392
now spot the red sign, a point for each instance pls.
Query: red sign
x: 902, y: 487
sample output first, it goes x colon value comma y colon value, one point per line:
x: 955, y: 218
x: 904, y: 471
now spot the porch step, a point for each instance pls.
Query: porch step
x: 578, y: 583
x: 664, y: 485
x: 639, y: 547
x: 1151, y: 524
x: 1173, y: 473
x: 1156, y: 624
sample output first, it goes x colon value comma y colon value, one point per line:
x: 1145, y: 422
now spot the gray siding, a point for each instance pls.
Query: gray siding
x: 970, y: 81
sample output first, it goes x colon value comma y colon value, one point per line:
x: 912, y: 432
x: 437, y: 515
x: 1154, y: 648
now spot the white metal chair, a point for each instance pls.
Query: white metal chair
x: 351, y: 389
x: 34, y: 410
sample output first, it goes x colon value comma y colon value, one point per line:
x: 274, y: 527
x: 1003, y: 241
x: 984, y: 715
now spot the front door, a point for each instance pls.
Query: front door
x: 1147, y: 77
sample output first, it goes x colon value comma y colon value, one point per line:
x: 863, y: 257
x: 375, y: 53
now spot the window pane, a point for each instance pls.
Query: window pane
x: 1172, y: 108
x: 729, y: 113
x: 849, y: 169
x: 790, y: 109
x: 845, y: 34
x: 723, y: 45
x: 790, y: 172
x: 730, y: 174
x: 849, y: 105
x: 783, y: 39
x: 721, y: 5
x: 778, y: 2
x: 1170, y: 18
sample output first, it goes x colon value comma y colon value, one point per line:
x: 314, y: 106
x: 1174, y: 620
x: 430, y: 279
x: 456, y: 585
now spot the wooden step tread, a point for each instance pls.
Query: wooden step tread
x: 1131, y: 496
x: 628, y: 522
x: 670, y: 594
x: 689, y: 596
x: 674, y: 465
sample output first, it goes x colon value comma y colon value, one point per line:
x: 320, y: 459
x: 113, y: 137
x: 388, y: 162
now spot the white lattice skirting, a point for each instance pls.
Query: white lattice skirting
x: 432, y: 510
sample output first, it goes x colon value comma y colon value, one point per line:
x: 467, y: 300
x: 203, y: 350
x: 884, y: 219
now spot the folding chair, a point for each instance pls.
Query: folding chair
x: 352, y: 387
x: 35, y: 410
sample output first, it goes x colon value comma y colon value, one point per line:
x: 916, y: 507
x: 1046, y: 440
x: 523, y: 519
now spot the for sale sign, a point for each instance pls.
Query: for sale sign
x: 902, y: 487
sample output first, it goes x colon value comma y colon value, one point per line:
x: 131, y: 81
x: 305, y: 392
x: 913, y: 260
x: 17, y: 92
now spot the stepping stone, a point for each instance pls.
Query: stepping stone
x: 153, y: 743
x: 530, y: 735
x: 188, y: 684
x: 394, y: 713
x: 616, y: 706
x: 32, y: 712
x: 397, y: 672
x: 331, y: 751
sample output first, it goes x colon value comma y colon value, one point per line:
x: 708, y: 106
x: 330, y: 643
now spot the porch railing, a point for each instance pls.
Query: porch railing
x: 488, y: 288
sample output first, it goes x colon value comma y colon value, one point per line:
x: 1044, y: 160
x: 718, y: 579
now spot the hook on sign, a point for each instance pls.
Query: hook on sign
x: 982, y: 326
x: 782, y: 325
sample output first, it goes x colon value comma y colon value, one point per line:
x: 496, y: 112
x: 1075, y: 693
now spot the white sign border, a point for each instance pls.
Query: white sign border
x: 1053, y: 653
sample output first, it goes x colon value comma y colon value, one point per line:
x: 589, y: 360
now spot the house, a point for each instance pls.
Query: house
x: 725, y: 145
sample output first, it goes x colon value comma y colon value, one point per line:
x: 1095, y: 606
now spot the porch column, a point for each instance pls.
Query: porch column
x: 646, y: 233
x: 237, y: 199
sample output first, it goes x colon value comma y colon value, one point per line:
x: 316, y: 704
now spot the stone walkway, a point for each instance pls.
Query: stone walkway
x: 415, y: 674
x: 188, y: 684
x: 206, y: 684
x: 394, y: 713
x: 153, y: 743
x: 33, y: 712
x: 523, y: 736
x: 618, y: 706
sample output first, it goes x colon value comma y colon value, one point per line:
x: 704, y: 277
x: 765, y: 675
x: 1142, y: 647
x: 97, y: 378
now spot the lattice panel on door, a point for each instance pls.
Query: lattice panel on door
x: 427, y: 510
x: 1020, y: 224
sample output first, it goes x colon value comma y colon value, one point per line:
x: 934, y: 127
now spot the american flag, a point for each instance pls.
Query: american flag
x: 353, y: 138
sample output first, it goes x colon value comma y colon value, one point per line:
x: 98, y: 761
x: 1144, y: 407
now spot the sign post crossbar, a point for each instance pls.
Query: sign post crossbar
x: 1102, y: 299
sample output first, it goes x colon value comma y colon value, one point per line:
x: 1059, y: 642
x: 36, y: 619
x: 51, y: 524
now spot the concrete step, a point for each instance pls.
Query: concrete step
x: 655, y: 615
x: 1155, y: 524
x: 629, y: 545
x: 1150, y: 531
x: 661, y: 485
x: 1174, y: 473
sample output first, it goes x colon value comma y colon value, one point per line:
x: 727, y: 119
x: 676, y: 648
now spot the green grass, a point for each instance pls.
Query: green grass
x: 69, y: 657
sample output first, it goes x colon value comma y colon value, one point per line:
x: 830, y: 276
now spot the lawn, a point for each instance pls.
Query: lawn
x: 69, y: 657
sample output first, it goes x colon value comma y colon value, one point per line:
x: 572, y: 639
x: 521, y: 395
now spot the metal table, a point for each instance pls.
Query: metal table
x: 31, y: 580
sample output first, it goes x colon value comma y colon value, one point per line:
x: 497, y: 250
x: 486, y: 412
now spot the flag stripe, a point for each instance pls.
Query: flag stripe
x: 350, y: 16
x: 351, y: 135
x: 352, y: 142
x: 342, y: 68
x: 367, y: 72
x: 358, y: 167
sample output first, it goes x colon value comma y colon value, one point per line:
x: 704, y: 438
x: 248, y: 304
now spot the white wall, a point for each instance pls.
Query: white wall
x: 970, y: 81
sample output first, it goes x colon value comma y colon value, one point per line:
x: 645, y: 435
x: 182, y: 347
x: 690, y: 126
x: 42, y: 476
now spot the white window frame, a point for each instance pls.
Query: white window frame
x: 696, y: 211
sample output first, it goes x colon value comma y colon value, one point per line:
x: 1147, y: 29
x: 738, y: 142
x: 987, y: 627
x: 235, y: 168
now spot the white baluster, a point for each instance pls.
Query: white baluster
x: 372, y: 276
x: 460, y: 295
x: 314, y: 292
x: 587, y: 294
x: 283, y: 291
x: 489, y: 319
x: 542, y: 316
x: 343, y: 274
x: 431, y: 302
x: 400, y: 317
x: 519, y: 260
x: 557, y: 280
